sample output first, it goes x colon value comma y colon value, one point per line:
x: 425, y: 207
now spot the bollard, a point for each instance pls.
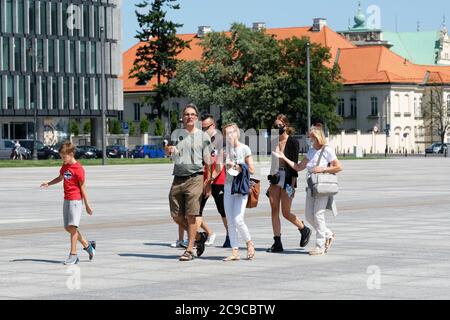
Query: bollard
x: 406, y: 152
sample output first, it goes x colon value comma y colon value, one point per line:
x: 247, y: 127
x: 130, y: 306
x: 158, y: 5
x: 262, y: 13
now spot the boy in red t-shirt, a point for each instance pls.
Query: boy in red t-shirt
x: 75, y: 194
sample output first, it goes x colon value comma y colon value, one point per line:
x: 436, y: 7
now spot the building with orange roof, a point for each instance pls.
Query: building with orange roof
x: 382, y: 90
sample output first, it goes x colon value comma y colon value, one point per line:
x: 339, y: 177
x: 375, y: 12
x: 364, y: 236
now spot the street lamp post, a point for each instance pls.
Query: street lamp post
x: 102, y: 98
x: 34, y: 71
x: 308, y: 76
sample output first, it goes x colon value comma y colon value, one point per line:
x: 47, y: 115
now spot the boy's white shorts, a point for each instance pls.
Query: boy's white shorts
x: 72, y: 212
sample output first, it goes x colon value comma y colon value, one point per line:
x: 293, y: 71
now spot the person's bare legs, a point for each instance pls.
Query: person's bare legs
x: 72, y: 230
x: 180, y: 232
x: 194, y: 223
x: 274, y: 199
x: 205, y: 227
x: 286, y: 203
x: 82, y: 240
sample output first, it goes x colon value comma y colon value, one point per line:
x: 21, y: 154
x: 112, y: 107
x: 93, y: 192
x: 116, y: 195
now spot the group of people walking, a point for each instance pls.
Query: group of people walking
x: 207, y: 163
x: 219, y: 165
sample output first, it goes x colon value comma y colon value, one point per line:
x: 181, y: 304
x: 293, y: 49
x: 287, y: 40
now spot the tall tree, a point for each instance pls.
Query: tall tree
x: 254, y: 77
x: 156, y: 58
x: 436, y: 113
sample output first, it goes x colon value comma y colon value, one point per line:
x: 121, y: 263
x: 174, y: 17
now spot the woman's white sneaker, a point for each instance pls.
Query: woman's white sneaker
x: 211, y: 238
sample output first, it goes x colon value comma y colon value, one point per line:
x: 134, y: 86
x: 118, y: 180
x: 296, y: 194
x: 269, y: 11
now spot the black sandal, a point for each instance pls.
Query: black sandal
x: 187, y: 256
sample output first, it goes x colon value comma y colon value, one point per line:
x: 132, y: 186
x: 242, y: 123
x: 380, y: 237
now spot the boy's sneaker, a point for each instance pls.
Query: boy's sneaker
x: 91, y: 249
x: 180, y: 244
x: 71, y: 260
x: 211, y: 239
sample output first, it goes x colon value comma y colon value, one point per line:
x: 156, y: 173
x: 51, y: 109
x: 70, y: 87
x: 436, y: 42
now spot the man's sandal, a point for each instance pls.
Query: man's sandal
x: 187, y: 256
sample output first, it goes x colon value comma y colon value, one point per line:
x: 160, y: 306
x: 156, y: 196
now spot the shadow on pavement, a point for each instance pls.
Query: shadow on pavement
x: 37, y: 260
x: 149, y: 256
x: 157, y: 244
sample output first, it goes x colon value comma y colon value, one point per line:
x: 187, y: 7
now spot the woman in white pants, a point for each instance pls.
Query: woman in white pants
x: 316, y: 206
x: 236, y: 155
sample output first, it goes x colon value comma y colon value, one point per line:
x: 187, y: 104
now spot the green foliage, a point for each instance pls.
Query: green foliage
x: 157, y: 57
x: 159, y: 129
x: 254, y: 77
x: 131, y: 128
x: 74, y: 128
x: 144, y: 126
x: 87, y: 127
x: 114, y: 126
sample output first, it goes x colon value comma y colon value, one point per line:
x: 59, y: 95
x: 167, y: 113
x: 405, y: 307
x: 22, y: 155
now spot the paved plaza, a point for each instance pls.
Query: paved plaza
x: 393, y: 239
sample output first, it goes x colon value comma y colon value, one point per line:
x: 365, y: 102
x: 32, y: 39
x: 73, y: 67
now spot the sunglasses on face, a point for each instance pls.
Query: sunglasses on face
x: 206, y: 128
x: 278, y: 126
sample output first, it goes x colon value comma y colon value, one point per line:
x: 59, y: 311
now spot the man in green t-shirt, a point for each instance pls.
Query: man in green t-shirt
x: 190, y: 151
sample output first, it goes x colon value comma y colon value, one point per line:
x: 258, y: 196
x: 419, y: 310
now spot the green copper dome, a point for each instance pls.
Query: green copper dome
x: 360, y: 19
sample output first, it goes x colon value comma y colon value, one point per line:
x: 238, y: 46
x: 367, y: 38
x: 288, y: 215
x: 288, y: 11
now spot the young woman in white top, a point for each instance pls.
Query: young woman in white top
x: 236, y: 154
x: 316, y: 205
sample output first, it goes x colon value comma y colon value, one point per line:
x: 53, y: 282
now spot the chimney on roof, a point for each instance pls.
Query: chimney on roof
x: 319, y: 24
x: 258, y: 26
x: 203, y: 31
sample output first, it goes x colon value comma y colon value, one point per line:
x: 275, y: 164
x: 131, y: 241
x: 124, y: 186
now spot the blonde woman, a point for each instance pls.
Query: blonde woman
x: 317, y: 205
x: 239, y: 165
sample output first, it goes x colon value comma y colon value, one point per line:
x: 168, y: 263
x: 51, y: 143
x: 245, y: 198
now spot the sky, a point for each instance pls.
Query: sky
x: 400, y: 15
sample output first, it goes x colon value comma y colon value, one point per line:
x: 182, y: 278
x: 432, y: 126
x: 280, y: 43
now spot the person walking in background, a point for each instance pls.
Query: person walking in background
x: 316, y: 205
x: 283, y: 181
x: 239, y: 165
x: 214, y: 178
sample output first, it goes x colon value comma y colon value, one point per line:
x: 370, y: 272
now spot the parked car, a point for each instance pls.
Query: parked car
x: 117, y: 152
x: 43, y: 151
x: 147, y: 151
x: 86, y: 152
x: 437, y: 148
x: 7, y: 147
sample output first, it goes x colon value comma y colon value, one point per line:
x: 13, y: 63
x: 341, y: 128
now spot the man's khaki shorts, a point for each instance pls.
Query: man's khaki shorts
x: 185, y: 196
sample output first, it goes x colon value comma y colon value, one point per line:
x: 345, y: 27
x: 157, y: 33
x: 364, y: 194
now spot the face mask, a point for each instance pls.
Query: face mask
x: 309, y: 142
x: 281, y: 130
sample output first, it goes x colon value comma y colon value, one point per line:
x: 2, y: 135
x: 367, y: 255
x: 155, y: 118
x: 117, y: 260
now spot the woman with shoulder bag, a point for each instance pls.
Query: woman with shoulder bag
x: 239, y: 166
x: 320, y: 159
x: 283, y: 181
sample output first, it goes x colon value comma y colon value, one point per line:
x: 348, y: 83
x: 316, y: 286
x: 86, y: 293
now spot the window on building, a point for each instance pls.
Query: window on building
x: 31, y: 13
x: 5, y: 53
x: 20, y: 15
x: 86, y: 93
x: 44, y: 96
x: 93, y: 58
x: 62, y: 55
x: 65, y: 93
x: 137, y: 112
x: 51, y: 55
x: 417, y: 108
x: 374, y: 106
x: 9, y: 16
x: 353, y: 107
x: 448, y: 105
x: 72, y: 56
x: 17, y: 54
x: 40, y: 55
x: 55, y: 93
x: 83, y: 57
x: 21, y: 93
x: 120, y: 115
x: 10, y: 92
x: 76, y: 93
x: 54, y: 16
x: 341, y: 107
x: 86, y: 20
x: 43, y: 16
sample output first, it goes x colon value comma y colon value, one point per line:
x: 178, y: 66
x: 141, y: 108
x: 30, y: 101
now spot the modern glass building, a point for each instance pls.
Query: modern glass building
x: 51, y: 55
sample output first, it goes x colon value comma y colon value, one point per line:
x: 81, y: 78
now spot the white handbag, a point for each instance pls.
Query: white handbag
x: 323, y: 184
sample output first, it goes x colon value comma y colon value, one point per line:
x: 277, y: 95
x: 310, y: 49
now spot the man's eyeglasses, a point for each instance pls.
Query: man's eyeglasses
x: 190, y: 115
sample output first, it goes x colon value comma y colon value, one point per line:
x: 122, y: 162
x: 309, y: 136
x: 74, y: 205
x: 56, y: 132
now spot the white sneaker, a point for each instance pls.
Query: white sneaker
x: 317, y: 251
x: 179, y: 244
x: 210, y: 241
